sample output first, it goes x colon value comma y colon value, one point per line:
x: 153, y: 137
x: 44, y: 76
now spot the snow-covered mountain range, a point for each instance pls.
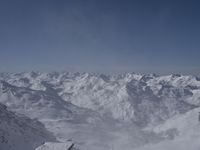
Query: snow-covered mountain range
x: 100, y: 111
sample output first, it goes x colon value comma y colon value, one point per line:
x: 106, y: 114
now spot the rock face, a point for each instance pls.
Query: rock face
x: 95, y: 107
x: 20, y: 132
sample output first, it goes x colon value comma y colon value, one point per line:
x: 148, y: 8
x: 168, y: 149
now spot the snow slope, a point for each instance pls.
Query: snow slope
x: 104, y: 111
x: 20, y: 132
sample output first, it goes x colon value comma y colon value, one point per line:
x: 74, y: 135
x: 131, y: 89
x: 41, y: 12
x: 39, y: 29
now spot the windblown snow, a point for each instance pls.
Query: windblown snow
x: 102, y: 112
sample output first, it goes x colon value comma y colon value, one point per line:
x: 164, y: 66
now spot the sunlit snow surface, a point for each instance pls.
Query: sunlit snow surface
x: 55, y: 146
x: 101, y: 112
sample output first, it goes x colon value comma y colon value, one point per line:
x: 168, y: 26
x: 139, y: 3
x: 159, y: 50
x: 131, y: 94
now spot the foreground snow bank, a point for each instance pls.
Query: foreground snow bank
x: 56, y: 146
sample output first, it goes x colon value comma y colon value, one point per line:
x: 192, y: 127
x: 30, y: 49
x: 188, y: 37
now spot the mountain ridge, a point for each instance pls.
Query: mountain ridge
x: 96, y: 106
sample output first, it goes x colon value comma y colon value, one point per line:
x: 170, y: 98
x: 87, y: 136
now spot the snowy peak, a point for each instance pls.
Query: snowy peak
x: 128, y: 96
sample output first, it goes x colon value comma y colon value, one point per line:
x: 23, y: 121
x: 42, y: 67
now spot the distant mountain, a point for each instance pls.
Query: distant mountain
x: 96, y: 107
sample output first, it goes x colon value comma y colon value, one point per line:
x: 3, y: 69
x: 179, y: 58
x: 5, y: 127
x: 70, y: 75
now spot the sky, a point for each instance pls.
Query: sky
x: 161, y: 36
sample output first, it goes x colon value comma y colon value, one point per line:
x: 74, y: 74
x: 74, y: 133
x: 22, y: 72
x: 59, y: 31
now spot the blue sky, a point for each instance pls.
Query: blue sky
x: 100, y: 35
